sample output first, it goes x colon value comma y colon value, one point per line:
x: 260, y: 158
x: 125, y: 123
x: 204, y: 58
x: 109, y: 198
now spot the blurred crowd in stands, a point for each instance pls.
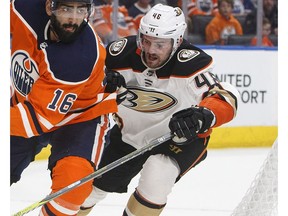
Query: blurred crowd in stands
x: 210, y: 22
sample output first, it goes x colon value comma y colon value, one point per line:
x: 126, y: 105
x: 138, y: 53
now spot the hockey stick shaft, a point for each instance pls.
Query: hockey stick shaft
x: 96, y: 174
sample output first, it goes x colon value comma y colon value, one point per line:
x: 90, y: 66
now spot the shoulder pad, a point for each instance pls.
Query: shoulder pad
x: 189, y: 59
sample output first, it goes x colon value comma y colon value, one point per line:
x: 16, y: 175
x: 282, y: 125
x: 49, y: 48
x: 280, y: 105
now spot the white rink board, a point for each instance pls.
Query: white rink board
x: 255, y: 75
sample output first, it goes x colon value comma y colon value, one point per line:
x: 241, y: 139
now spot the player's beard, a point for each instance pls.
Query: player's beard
x: 63, y: 35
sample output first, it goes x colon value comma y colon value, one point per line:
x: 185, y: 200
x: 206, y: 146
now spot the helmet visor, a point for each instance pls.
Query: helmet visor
x: 69, y: 11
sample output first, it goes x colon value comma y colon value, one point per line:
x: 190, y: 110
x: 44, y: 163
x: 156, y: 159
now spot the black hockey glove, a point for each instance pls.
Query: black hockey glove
x: 187, y: 123
x: 116, y: 82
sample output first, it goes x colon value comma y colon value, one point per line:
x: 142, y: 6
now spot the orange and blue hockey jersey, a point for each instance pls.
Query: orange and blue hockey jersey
x: 53, y: 83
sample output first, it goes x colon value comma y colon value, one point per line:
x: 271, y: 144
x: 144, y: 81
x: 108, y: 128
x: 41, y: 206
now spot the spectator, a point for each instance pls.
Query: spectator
x: 238, y: 8
x: 102, y: 21
x: 249, y: 5
x: 266, y: 31
x: 270, y: 8
x: 202, y: 7
x: 270, y: 11
x: 138, y: 10
x: 223, y: 24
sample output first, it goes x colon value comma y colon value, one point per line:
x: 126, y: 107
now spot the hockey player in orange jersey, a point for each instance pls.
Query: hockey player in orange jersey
x: 59, y: 95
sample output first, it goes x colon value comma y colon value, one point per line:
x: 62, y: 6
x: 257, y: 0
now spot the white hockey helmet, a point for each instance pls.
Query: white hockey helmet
x: 163, y: 21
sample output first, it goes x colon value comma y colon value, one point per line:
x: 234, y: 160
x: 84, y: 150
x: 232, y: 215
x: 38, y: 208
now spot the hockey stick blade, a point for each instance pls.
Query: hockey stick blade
x: 96, y: 174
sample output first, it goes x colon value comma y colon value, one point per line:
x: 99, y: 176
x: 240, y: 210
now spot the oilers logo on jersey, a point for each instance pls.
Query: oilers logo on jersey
x: 24, y: 72
x: 148, y: 100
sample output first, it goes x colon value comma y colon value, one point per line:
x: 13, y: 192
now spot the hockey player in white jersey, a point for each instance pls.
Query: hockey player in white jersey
x: 171, y: 87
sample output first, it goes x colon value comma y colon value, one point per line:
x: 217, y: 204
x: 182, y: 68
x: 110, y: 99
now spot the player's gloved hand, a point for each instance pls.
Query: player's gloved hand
x: 116, y: 82
x: 187, y: 123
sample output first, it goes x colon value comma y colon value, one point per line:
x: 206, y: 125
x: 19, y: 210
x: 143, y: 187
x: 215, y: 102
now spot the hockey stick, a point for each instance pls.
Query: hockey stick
x: 97, y: 173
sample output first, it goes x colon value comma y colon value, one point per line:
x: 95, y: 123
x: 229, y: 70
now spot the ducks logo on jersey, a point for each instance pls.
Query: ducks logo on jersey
x: 185, y: 55
x: 148, y: 100
x: 117, y: 47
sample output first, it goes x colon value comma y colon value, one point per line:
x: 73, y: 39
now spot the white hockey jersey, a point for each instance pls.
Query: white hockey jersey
x: 154, y: 96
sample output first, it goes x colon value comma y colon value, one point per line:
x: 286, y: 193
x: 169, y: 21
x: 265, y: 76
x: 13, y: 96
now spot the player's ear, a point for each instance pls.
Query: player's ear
x: 48, y: 7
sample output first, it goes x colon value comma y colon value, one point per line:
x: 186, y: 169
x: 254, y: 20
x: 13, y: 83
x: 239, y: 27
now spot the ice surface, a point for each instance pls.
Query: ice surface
x: 213, y: 188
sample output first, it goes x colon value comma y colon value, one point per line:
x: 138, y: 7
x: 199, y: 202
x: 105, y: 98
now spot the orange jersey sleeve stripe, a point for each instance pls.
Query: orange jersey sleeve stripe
x: 22, y: 123
x: 223, y: 111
